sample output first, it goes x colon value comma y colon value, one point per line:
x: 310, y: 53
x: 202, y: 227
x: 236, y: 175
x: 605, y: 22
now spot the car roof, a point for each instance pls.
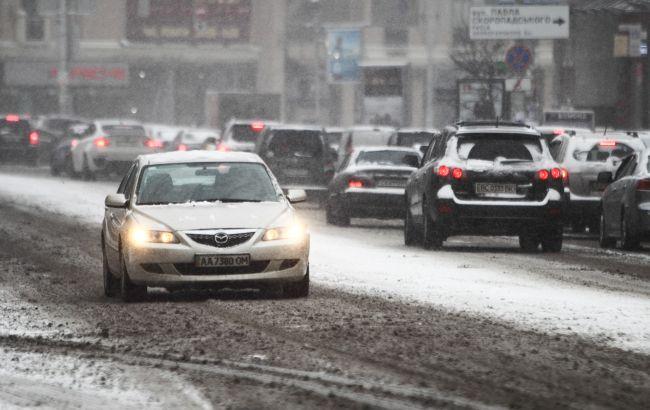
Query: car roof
x: 493, y: 129
x: 378, y: 128
x: 385, y: 148
x: 295, y: 127
x: 118, y: 121
x: 180, y: 157
x: 414, y: 130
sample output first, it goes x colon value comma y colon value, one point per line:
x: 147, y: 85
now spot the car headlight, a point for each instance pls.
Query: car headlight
x: 294, y: 231
x: 139, y: 236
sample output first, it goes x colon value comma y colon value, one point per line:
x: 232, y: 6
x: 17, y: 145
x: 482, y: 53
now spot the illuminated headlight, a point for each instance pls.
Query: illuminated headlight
x: 141, y: 236
x: 295, y: 231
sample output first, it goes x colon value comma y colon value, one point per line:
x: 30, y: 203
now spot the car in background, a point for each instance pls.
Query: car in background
x: 52, y: 129
x: 418, y: 138
x: 202, y: 220
x: 297, y: 155
x: 486, y: 178
x: 333, y: 137
x: 550, y: 132
x: 61, y: 156
x: 583, y: 157
x: 363, y: 136
x: 242, y: 135
x: 19, y: 140
x: 370, y: 184
x: 192, y: 139
x: 110, y: 146
x: 625, y: 204
x: 163, y: 132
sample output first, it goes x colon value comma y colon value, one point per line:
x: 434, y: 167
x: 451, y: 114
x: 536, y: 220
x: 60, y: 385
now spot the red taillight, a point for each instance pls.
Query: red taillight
x: 182, y: 147
x: 257, y: 126
x: 12, y: 118
x: 223, y: 148
x: 355, y: 183
x: 558, y: 131
x: 565, y: 175
x: 457, y: 173
x: 556, y: 173
x: 643, y: 185
x: 101, y: 142
x: 607, y: 143
x: 74, y: 143
x: 443, y: 171
x: 152, y: 143
x: 34, y: 138
x: 543, y: 175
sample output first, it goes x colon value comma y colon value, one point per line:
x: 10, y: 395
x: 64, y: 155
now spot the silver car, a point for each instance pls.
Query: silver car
x: 582, y: 157
x: 203, y: 219
x: 626, y: 203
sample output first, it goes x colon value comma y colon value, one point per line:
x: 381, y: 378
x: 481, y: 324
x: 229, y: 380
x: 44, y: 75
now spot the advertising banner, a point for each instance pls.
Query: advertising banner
x: 343, y: 54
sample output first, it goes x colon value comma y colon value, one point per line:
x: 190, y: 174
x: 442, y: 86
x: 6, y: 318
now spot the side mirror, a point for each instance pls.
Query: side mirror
x: 605, y: 177
x: 424, y: 149
x: 116, y: 201
x: 296, y: 195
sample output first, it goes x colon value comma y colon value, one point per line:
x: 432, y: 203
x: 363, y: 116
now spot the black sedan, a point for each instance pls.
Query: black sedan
x: 625, y: 205
x: 370, y: 184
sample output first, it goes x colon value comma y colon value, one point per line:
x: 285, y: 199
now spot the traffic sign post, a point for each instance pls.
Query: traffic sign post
x: 519, y: 22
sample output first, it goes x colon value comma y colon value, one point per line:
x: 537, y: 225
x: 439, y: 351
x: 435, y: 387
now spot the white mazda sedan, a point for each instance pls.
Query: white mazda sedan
x: 202, y: 219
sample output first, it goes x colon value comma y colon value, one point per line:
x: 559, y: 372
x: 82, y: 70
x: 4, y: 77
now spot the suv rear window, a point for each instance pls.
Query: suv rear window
x: 302, y: 143
x: 387, y: 157
x: 123, y: 130
x: 408, y: 139
x: 244, y: 133
x: 14, y: 131
x: 602, y: 151
x: 489, y: 147
x: 370, y: 138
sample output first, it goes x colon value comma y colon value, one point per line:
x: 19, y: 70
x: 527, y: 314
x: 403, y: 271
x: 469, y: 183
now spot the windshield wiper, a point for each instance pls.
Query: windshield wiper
x: 228, y: 200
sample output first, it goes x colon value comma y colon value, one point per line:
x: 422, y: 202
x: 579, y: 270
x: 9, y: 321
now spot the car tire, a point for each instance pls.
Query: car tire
x: 604, y: 240
x: 330, y: 218
x: 629, y: 241
x: 336, y: 214
x: 298, y: 289
x: 431, y: 235
x: 410, y: 230
x: 54, y: 170
x: 129, y: 292
x: 111, y: 285
x: 552, y: 241
x: 529, y: 243
x: 86, y: 173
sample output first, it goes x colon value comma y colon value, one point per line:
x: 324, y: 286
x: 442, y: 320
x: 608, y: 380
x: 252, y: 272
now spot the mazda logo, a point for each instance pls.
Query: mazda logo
x: 221, y: 238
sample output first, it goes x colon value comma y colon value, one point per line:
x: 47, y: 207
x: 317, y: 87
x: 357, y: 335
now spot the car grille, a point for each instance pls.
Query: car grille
x: 191, y: 269
x: 233, y: 238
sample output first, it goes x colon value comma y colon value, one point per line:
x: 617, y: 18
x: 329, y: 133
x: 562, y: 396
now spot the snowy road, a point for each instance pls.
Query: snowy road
x: 479, y: 323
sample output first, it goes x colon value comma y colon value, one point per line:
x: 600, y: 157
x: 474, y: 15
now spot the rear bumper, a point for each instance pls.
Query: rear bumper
x: 373, y: 202
x: 485, y: 217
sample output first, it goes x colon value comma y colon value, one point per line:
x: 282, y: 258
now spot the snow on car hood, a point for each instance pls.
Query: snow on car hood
x: 214, y: 215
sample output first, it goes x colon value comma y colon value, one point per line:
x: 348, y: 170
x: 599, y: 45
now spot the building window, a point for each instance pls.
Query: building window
x: 34, y: 23
x: 396, y: 16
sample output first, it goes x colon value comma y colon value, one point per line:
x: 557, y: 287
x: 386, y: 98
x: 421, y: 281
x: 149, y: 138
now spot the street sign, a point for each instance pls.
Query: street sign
x: 519, y: 58
x: 519, y: 22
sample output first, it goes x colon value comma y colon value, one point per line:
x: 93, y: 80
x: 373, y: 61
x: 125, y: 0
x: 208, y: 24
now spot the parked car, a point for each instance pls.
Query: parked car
x: 242, y: 135
x: 486, y: 178
x: 583, y: 157
x: 242, y: 231
x: 413, y: 137
x: 297, y: 155
x: 370, y: 184
x: 61, y: 157
x: 196, y: 138
x: 19, y: 140
x: 363, y: 136
x: 625, y: 205
x: 111, y: 146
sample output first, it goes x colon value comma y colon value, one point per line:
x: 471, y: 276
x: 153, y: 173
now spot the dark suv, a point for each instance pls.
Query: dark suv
x: 297, y: 155
x: 486, y: 179
x: 18, y: 140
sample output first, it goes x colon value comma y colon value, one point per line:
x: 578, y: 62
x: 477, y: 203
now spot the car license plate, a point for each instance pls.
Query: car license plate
x: 391, y: 183
x: 487, y: 188
x: 219, y: 261
x: 296, y: 172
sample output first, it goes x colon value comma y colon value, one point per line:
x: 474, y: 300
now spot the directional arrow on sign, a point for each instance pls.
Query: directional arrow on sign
x: 560, y: 22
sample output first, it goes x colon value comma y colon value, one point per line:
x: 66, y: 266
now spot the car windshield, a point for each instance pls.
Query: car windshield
x: 286, y: 143
x: 602, y: 152
x: 10, y: 130
x: 244, y: 133
x: 409, y: 139
x: 504, y: 147
x: 199, y: 182
x: 387, y: 157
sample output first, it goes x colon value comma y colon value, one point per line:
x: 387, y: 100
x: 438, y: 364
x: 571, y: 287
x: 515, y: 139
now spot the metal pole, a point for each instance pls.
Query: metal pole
x: 428, y: 32
x: 62, y: 77
x: 317, y: 50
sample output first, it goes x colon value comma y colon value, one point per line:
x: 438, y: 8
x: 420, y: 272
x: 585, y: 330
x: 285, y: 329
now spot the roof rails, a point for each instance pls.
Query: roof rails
x: 497, y: 123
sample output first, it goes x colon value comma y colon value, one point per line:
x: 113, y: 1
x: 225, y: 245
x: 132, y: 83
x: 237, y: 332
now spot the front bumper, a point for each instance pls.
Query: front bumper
x: 373, y: 202
x: 172, y: 265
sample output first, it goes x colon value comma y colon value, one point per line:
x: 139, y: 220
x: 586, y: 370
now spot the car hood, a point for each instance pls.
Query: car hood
x: 203, y: 215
